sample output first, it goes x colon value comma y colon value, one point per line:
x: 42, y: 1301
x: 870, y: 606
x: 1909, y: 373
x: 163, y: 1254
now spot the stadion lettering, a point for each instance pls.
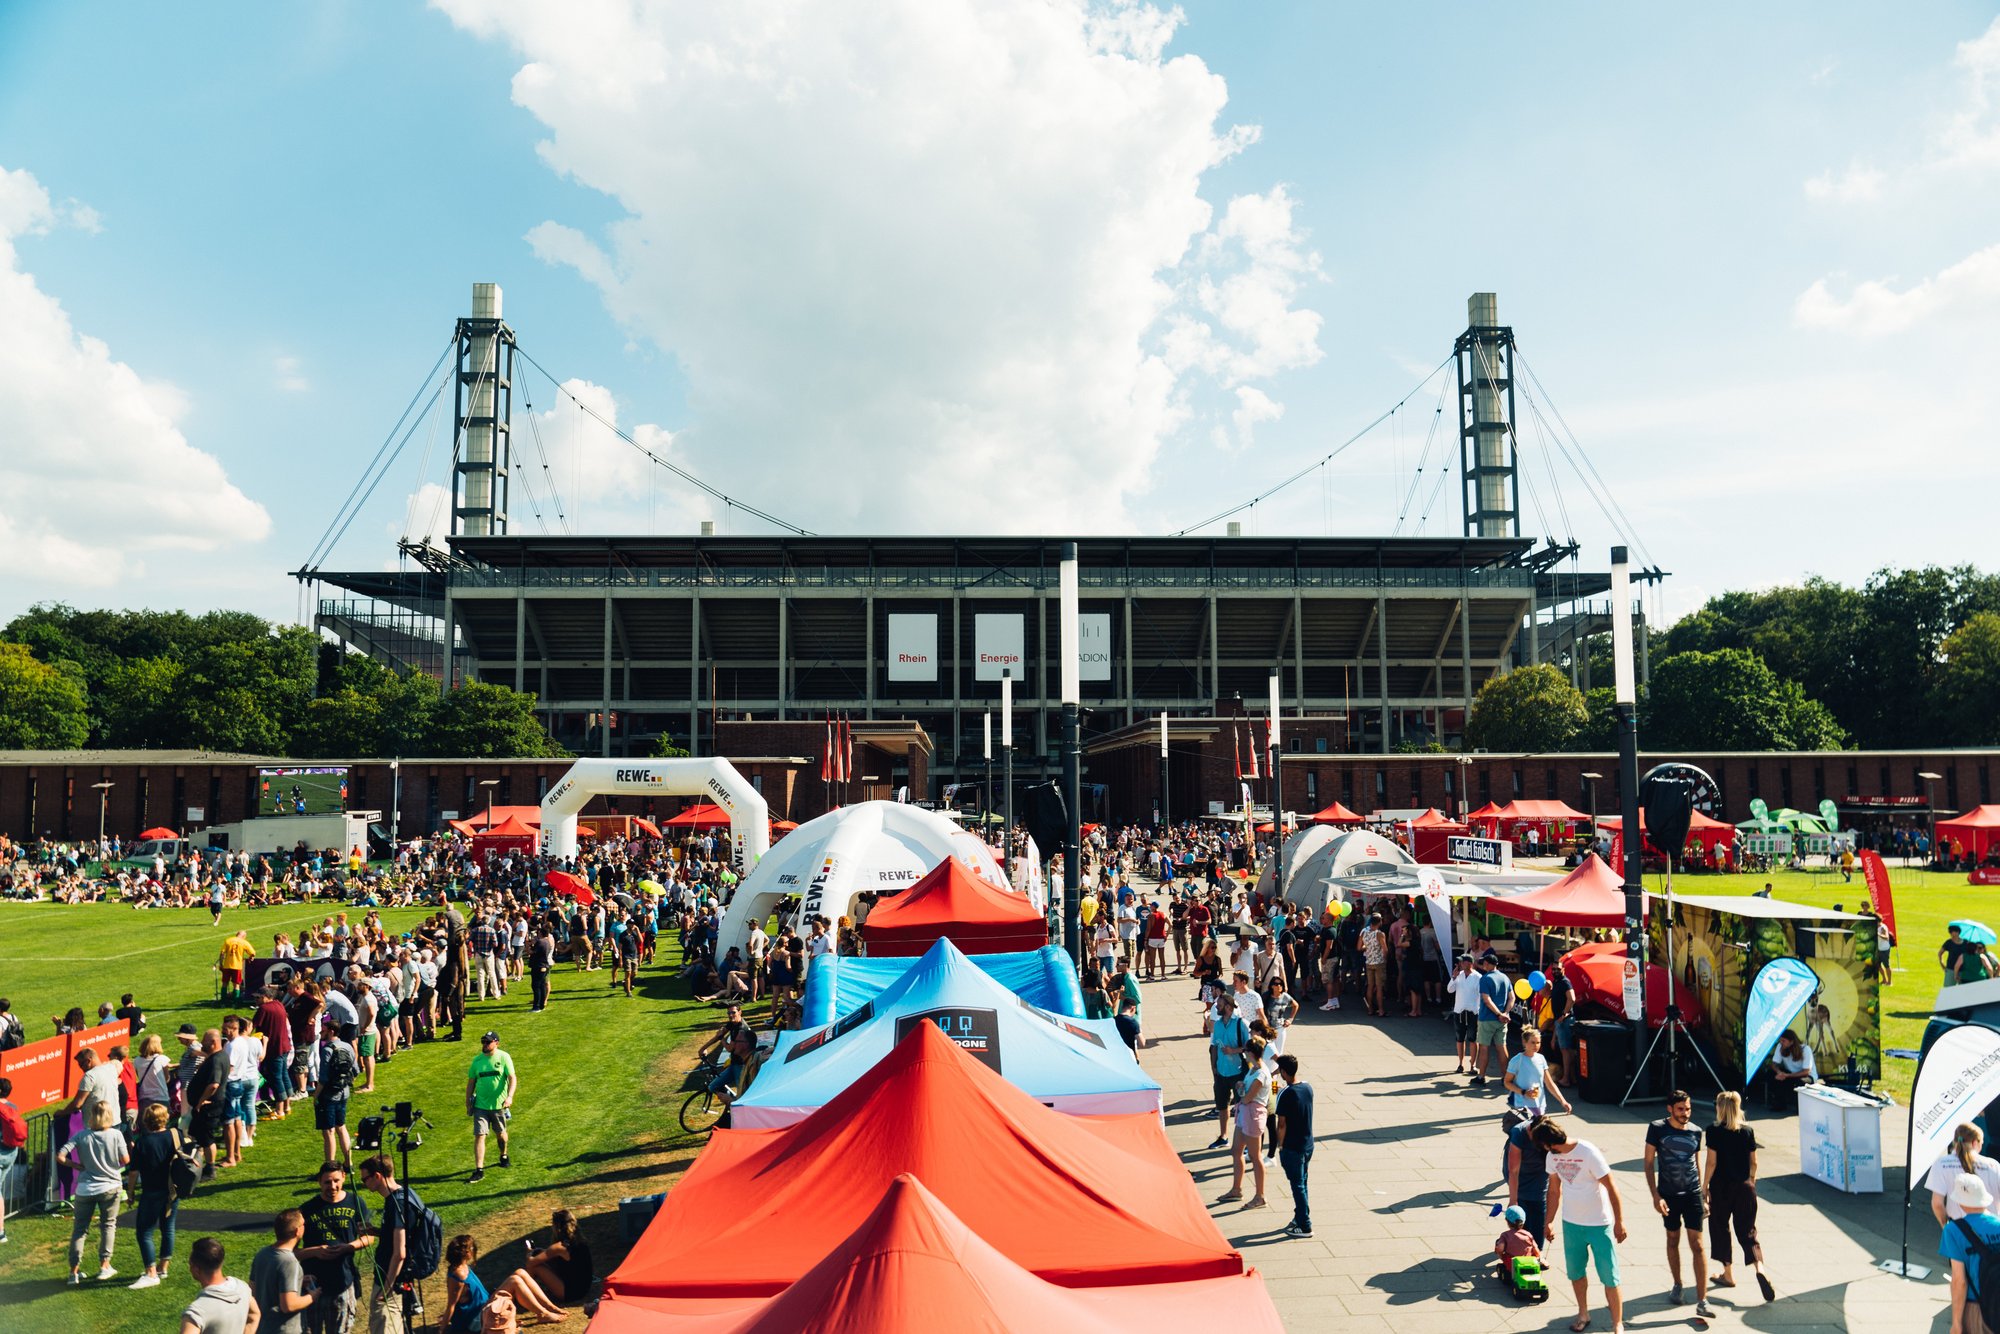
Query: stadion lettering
x: 999, y: 646
x: 1480, y: 852
x: 1093, y: 640
x: 913, y: 646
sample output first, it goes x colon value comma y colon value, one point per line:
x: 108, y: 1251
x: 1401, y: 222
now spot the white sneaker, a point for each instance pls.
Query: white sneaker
x: 106, y: 1274
x: 1329, y: 1006
x: 144, y: 1281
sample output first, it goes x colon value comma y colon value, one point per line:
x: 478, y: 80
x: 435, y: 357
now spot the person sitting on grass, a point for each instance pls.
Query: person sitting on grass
x: 562, y: 1268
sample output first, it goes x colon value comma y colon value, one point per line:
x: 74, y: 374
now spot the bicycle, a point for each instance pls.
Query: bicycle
x: 700, y: 1110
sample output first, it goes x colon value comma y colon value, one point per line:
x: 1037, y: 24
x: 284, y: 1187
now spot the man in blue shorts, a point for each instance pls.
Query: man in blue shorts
x: 1583, y: 1195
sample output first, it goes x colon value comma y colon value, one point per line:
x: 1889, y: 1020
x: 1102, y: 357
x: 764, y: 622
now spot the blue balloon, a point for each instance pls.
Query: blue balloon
x: 1538, y: 979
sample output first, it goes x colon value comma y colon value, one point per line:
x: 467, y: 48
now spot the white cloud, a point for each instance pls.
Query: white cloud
x: 1860, y: 183
x: 1253, y: 408
x: 1971, y: 138
x: 1876, y: 307
x: 914, y: 251
x: 289, y: 373
x: 95, y: 460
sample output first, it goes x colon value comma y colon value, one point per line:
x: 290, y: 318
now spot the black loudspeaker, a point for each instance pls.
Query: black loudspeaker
x: 1668, y: 802
x: 368, y: 1134
x: 1047, y: 818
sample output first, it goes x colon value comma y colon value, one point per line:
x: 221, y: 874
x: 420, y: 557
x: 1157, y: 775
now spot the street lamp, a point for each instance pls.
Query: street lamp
x: 1592, y: 779
x: 986, y: 787
x: 1625, y: 707
x: 1071, y: 674
x: 1930, y: 806
x: 1464, y: 785
x: 1166, y: 814
x: 103, y: 800
x: 489, y: 784
x: 1277, y: 799
x: 1007, y: 771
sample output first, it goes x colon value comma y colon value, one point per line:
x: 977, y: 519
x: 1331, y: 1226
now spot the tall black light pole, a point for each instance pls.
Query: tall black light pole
x: 1166, y: 814
x: 1626, y: 709
x: 1277, y: 800
x: 1007, y: 770
x: 1072, y: 758
x: 986, y: 788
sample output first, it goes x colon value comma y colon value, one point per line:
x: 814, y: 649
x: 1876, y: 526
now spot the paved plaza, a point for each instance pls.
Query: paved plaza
x: 1407, y: 1168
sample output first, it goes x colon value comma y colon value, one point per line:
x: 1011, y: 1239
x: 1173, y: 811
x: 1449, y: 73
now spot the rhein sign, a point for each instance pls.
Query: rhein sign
x: 913, y: 646
x: 999, y: 645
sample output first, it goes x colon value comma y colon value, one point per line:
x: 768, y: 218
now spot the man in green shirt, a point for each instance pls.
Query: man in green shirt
x: 489, y: 1099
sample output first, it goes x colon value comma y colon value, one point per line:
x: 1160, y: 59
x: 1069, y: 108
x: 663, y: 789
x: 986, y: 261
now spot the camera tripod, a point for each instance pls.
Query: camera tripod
x: 403, y: 1119
x: 1675, y: 1027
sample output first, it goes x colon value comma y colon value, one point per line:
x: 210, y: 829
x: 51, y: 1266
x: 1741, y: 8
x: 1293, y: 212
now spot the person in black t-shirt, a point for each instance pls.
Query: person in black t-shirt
x: 1673, y: 1173
x: 1730, y: 1174
x: 206, y: 1098
x: 338, y: 1225
x: 1293, y: 1141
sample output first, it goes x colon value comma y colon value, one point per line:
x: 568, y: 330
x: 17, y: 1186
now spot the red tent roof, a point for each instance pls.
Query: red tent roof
x: 913, y: 1267
x: 1334, y: 814
x: 1484, y: 812
x: 1078, y: 1201
x: 978, y: 916
x: 1979, y: 817
x: 1519, y: 809
x: 530, y: 816
x: 1591, y: 895
x: 1432, y: 819
x: 703, y: 815
x: 511, y: 827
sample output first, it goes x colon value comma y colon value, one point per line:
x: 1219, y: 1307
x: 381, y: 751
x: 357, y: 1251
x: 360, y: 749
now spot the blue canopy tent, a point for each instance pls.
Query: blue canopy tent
x: 836, y: 987
x: 1077, y: 1066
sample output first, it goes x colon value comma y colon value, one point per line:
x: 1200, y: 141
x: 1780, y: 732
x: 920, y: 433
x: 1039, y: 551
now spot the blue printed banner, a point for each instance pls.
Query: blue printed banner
x: 1782, y: 988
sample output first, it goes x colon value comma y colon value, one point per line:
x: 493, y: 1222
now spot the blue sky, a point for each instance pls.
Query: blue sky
x: 942, y: 267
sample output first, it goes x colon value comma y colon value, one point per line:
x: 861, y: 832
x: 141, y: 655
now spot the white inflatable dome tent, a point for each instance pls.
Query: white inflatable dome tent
x: 880, y: 846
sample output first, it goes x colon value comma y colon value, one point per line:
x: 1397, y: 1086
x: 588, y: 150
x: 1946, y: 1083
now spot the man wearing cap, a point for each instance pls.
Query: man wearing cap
x: 489, y: 1099
x: 1964, y: 1239
x: 1463, y: 986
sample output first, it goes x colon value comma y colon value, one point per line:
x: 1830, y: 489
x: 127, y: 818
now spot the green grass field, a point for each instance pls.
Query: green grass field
x: 1925, y: 901
x: 595, y: 1118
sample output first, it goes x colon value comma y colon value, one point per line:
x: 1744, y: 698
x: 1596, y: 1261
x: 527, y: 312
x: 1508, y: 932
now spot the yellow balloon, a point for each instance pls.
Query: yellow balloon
x: 1522, y: 989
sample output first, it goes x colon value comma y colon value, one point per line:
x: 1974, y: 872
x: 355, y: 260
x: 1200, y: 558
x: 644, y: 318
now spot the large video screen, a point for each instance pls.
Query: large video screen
x: 306, y: 790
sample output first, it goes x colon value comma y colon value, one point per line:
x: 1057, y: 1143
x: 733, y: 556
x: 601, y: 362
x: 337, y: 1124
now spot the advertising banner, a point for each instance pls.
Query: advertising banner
x: 1094, y: 645
x: 975, y: 1028
x: 40, y: 1071
x: 913, y: 652
x: 1880, y: 897
x: 1491, y: 852
x: 1438, y: 900
x: 999, y: 646
x: 1957, y: 1078
x: 1781, y: 990
x: 100, y: 1038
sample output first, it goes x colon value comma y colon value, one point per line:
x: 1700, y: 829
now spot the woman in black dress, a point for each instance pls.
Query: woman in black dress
x: 1729, y: 1172
x: 563, y: 1267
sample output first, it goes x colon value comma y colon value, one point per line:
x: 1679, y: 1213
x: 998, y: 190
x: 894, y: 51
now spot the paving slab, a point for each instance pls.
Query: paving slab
x: 1407, y: 1166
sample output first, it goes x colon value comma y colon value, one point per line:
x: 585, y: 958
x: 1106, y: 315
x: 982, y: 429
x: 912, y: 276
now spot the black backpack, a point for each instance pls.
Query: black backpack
x: 1985, y: 1272
x: 423, y: 1237
x: 339, y: 1075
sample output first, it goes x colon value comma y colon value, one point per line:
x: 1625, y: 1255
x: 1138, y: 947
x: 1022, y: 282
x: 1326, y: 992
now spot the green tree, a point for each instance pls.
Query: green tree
x: 481, y: 721
x: 139, y: 703
x: 1729, y: 699
x: 42, y: 705
x: 665, y: 749
x: 1533, y: 709
x: 1968, y: 681
x: 1600, y: 725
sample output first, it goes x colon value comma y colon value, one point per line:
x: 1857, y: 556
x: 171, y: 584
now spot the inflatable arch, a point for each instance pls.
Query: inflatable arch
x: 883, y: 846
x: 713, y: 779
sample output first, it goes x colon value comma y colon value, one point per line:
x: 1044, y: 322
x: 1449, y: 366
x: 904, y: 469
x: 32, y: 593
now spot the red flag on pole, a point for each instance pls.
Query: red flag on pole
x: 846, y: 749
x: 1254, y: 775
x: 826, y: 755
x: 1236, y: 746
x: 1876, y: 875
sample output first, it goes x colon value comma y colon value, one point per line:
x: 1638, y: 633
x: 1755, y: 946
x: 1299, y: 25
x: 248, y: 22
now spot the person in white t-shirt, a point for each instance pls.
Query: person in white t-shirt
x: 1964, y: 1156
x: 1248, y: 1003
x: 1582, y: 1192
x: 1463, y: 986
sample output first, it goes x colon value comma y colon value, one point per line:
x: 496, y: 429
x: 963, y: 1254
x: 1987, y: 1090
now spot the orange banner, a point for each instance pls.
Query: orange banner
x: 1879, y: 897
x: 99, y: 1039
x: 40, y: 1071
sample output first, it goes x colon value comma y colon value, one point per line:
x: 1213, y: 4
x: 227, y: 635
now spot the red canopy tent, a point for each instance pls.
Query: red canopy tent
x: 1596, y: 973
x: 1701, y: 829
x: 576, y: 887
x: 950, y: 901
x: 1976, y: 831
x: 703, y: 815
x: 1428, y: 833
x: 530, y: 816
x: 1591, y: 895
x: 1334, y: 814
x: 1483, y: 819
x: 913, y: 1267
x: 510, y: 835
x: 158, y: 831
x: 1078, y: 1201
x: 783, y: 826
